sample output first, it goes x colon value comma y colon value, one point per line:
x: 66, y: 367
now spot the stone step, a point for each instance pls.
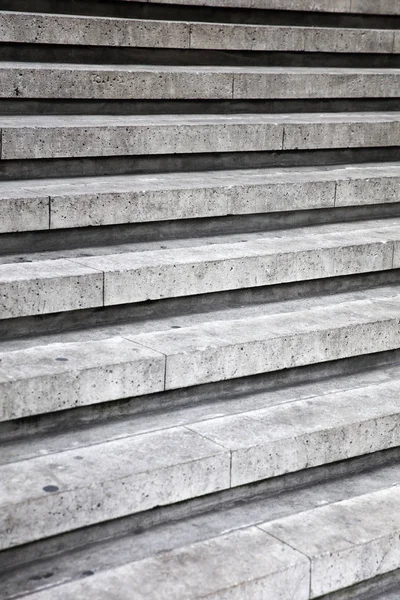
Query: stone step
x: 128, y: 274
x: 94, y: 201
x: 140, y: 536
x: 36, y: 137
x: 42, y: 28
x: 303, y: 556
x: 90, y: 483
x: 44, y: 375
x: 384, y: 7
x: 109, y: 82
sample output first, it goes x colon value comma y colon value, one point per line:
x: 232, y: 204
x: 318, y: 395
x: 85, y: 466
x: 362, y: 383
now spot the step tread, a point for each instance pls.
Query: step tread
x: 110, y: 276
x: 206, y: 456
x: 343, y: 544
x: 249, y: 562
x: 36, y: 378
x: 90, y: 82
x: 207, y: 520
x: 88, y: 431
x: 34, y: 137
x: 49, y: 121
x: 46, y: 28
x: 92, y: 201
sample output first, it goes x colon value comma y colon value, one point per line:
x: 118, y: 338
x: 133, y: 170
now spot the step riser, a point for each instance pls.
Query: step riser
x: 33, y: 106
x: 184, y: 57
x: 11, y: 170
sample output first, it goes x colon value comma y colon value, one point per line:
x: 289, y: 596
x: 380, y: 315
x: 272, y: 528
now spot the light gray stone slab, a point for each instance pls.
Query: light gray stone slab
x: 228, y: 405
x: 106, y: 481
x: 295, y: 39
x: 113, y: 82
x: 92, y: 201
x: 347, y: 542
x: 23, y: 212
x: 306, y: 433
x: 356, y: 191
x: 384, y: 7
x: 79, y: 136
x: 327, y: 39
x: 237, y: 348
x: 396, y: 255
x: 278, y: 82
x: 65, y: 375
x: 396, y: 44
x: 20, y: 27
x: 48, y: 286
x: 221, y: 36
x: 140, y: 276
x: 107, y: 201
x: 243, y: 564
x: 52, y: 80
x: 344, y: 131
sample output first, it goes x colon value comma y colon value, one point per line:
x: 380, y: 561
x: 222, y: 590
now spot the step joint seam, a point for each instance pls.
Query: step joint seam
x: 293, y: 548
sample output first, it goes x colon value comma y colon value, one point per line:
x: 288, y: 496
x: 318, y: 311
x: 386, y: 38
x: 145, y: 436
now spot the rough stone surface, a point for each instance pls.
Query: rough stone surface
x: 21, y: 211
x: 300, y: 82
x: 127, y: 274
x: 65, y: 375
x: 48, y: 286
x: 82, y: 30
x: 93, y: 201
x: 106, y: 481
x: 346, y: 542
x: 224, y: 350
x: 80, y: 136
x: 341, y: 131
x: 91, y: 31
x: 113, y: 82
x: 299, y: 435
x: 294, y: 39
x: 243, y: 564
x: 136, y: 277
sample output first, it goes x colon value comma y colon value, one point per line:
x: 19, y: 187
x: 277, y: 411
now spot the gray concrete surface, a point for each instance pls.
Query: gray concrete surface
x: 116, y: 275
x: 33, y: 137
x: 45, y: 28
x: 59, y: 376
x: 136, y: 82
x: 93, y: 201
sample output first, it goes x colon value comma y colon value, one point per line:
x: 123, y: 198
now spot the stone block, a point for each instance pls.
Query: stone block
x: 60, y: 376
x: 63, y: 491
x: 48, y: 286
x: 347, y: 542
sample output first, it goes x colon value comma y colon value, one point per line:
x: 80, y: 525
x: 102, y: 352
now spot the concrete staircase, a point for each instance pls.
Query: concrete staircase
x: 200, y: 299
